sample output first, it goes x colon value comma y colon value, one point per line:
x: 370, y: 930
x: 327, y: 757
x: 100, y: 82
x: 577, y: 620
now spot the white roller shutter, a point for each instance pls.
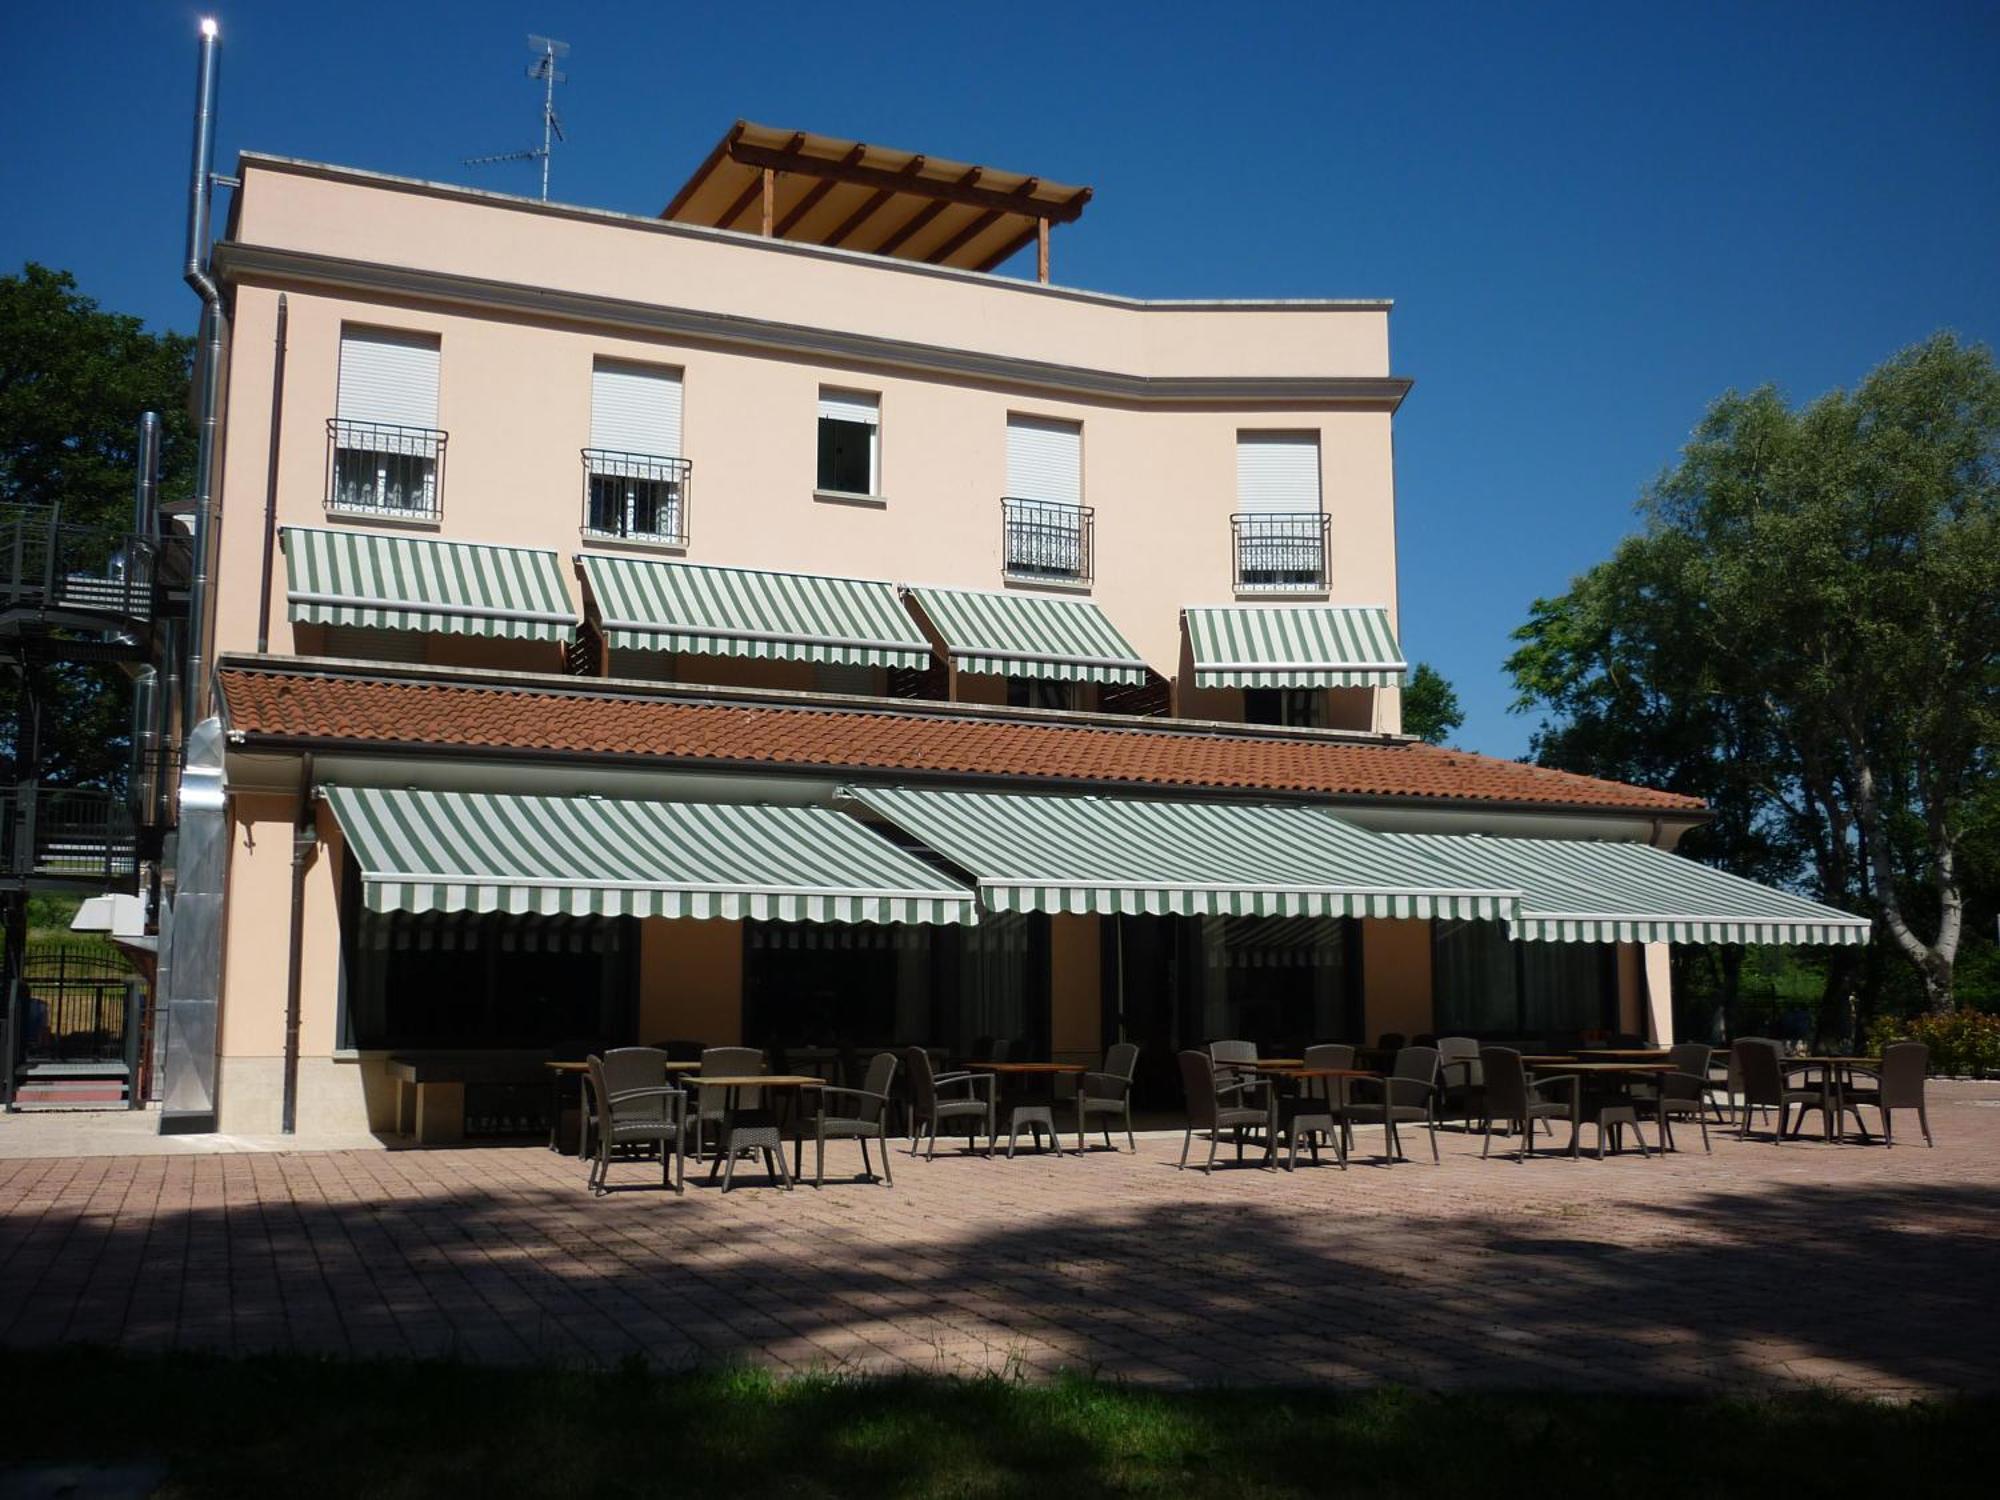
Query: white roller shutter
x: 635, y: 409
x: 850, y: 406
x: 388, y: 377
x: 1277, y: 472
x: 1045, y: 460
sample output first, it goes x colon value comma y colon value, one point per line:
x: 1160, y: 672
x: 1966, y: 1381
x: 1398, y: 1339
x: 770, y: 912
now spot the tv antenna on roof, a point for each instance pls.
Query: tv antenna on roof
x: 544, y: 71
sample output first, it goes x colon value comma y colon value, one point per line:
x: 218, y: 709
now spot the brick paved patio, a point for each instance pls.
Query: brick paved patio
x: 1756, y: 1266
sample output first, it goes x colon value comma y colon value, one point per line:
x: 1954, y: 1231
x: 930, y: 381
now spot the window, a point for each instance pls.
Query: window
x: 1040, y: 692
x: 635, y: 481
x: 850, y: 443
x: 1485, y: 984
x: 1046, y: 524
x: 1296, y: 708
x: 1279, y: 525
x: 358, y: 643
x: 385, y: 451
x: 1282, y: 982
x: 853, y: 679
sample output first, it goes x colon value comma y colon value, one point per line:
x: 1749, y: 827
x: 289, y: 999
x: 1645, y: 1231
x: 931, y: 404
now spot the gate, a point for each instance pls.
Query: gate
x: 72, y: 1033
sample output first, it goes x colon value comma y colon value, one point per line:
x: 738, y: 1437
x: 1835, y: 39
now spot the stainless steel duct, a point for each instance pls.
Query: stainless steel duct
x: 146, y: 489
x: 195, y: 271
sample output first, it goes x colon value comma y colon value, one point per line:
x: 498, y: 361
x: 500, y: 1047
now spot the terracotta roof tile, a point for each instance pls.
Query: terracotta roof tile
x: 302, y: 704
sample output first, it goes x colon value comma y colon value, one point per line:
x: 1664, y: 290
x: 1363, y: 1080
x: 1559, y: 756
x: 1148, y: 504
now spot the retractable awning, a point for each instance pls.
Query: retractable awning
x: 416, y: 583
x: 1293, y: 645
x: 1132, y: 855
x: 1580, y: 891
x: 1028, y: 635
x: 646, y: 605
x: 424, y: 851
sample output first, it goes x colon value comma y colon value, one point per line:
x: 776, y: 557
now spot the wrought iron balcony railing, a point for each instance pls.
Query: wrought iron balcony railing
x: 1282, y: 552
x: 381, y: 470
x: 52, y: 566
x: 64, y: 833
x: 1043, y: 539
x: 635, y: 497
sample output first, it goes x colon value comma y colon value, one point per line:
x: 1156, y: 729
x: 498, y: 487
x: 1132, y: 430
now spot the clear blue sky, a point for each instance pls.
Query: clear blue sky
x: 1593, y: 218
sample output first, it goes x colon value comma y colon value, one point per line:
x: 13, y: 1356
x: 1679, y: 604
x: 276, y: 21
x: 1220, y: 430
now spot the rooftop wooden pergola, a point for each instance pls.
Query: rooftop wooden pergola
x: 820, y: 190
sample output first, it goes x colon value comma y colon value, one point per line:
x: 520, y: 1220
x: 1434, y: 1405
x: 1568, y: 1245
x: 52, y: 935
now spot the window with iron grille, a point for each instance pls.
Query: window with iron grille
x: 1046, y: 541
x: 635, y: 481
x: 1279, y: 530
x: 385, y: 450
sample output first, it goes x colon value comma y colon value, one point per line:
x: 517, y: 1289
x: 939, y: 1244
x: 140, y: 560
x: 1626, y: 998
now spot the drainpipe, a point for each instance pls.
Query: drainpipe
x: 305, y: 843
x: 195, y: 272
x: 271, y: 482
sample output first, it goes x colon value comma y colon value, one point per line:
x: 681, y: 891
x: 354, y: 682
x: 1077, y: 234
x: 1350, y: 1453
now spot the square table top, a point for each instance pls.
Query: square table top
x: 1028, y: 1067
x: 761, y: 1081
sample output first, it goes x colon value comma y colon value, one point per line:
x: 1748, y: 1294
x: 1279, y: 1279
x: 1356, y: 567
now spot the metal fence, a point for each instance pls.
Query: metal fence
x: 49, y: 564
x: 383, y: 470
x: 1280, y: 550
x: 1045, y: 539
x: 74, y: 1013
x: 64, y: 833
x: 635, y: 496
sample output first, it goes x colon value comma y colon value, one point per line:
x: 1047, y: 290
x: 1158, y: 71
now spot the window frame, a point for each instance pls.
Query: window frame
x: 855, y: 397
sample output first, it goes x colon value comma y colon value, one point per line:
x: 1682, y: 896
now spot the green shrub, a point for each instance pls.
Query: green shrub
x: 1962, y: 1042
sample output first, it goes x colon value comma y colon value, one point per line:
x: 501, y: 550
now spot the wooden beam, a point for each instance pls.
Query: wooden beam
x: 701, y: 173
x: 910, y: 226
x: 1042, y: 255
x: 874, y: 201
x: 768, y: 180
x: 743, y: 201
x: 816, y: 194
x: 966, y: 235
x: 1012, y: 200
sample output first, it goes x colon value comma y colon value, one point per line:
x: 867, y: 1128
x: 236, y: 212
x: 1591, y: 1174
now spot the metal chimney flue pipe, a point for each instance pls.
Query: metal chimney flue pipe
x: 146, y: 489
x: 195, y: 679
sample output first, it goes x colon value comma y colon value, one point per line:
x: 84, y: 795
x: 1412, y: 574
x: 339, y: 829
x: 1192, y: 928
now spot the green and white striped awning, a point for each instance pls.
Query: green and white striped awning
x: 1581, y: 891
x: 590, y: 856
x: 1030, y: 635
x: 1293, y: 645
x: 1130, y: 855
x: 647, y: 605
x: 415, y: 583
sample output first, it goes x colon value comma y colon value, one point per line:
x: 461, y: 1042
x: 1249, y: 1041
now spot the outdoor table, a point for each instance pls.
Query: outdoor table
x: 562, y: 1068
x: 733, y: 1085
x: 1838, y: 1073
x: 1625, y: 1108
x: 1035, y: 1111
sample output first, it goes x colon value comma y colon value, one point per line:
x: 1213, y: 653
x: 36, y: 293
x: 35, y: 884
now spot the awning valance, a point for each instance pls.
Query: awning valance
x: 1582, y: 891
x: 420, y: 584
x: 1029, y: 635
x: 589, y: 856
x: 1293, y: 645
x: 1132, y: 855
x: 647, y: 605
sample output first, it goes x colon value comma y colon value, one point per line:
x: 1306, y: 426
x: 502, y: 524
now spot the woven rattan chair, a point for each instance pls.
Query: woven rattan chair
x: 1235, y: 1064
x: 1898, y: 1085
x: 1460, y: 1079
x: 1408, y: 1096
x: 724, y: 1062
x: 1765, y: 1080
x: 864, y: 1116
x: 1212, y: 1108
x: 1509, y: 1096
x: 936, y: 1098
x: 1685, y: 1091
x: 637, y: 1107
x: 1107, y: 1094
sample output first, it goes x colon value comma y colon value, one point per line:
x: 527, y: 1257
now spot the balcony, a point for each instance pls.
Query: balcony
x: 382, y: 472
x: 1280, y: 552
x: 64, y: 834
x: 1044, y: 541
x: 635, y: 497
x: 82, y: 576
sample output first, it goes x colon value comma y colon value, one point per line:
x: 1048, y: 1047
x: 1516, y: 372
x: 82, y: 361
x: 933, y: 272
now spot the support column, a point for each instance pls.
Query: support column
x: 1042, y: 251
x: 771, y: 201
x: 1659, y: 994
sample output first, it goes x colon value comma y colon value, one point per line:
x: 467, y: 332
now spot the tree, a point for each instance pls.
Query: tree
x: 1431, y: 710
x: 73, y: 381
x: 1807, y: 630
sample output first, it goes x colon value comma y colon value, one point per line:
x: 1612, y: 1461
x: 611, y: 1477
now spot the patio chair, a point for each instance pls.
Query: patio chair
x: 1765, y: 1082
x: 1391, y: 1041
x: 930, y: 1107
x: 1509, y: 1096
x: 1899, y: 1084
x: 1229, y: 1058
x: 1214, y: 1108
x: 865, y: 1119
x: 1685, y: 1091
x: 1408, y: 1095
x: 1463, y: 1081
x: 724, y: 1062
x: 636, y: 1106
x: 1108, y: 1094
x: 1316, y: 1109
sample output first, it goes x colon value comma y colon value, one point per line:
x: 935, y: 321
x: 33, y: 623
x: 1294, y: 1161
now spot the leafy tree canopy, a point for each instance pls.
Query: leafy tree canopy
x: 1431, y: 710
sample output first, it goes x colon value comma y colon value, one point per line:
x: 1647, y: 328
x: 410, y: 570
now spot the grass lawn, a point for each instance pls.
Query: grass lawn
x: 300, y: 1427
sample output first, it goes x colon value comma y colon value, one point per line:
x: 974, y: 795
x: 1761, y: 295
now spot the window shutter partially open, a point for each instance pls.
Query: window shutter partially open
x: 635, y: 409
x: 388, y: 377
x: 1045, y: 460
x: 1277, y: 473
